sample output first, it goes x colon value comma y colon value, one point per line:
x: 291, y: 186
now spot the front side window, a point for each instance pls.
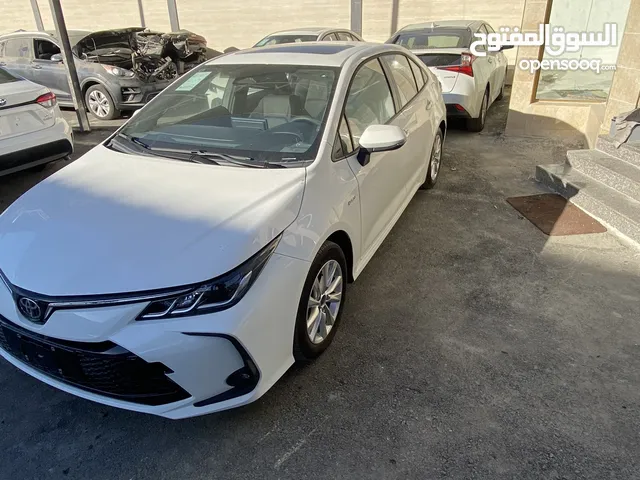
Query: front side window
x: 18, y: 48
x: 343, y: 145
x: 560, y: 83
x: 402, y: 76
x: 369, y: 101
x: 44, y: 49
x: 269, y: 113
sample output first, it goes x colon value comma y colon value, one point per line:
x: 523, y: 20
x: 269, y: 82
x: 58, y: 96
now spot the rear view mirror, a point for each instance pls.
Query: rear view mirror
x: 380, y: 138
x: 56, y: 57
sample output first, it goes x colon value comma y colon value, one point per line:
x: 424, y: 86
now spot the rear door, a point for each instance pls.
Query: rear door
x: 52, y: 74
x: 484, y: 68
x: 499, y: 69
x: 17, y: 56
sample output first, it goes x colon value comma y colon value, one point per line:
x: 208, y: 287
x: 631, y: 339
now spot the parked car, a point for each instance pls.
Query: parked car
x: 309, y: 34
x: 190, y: 259
x: 118, y: 69
x: 470, y: 84
x: 32, y: 130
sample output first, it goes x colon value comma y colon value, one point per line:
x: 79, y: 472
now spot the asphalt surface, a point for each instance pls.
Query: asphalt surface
x: 472, y: 346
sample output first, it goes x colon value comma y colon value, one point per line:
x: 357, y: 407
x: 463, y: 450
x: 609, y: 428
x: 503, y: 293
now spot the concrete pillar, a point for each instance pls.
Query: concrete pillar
x: 625, y: 90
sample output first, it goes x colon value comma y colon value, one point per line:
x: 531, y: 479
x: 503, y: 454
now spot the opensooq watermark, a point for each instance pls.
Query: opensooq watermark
x: 556, y: 42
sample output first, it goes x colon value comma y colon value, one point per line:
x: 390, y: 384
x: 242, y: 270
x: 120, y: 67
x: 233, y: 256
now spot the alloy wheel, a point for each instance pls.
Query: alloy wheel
x: 99, y: 103
x: 324, y: 303
x: 436, y: 157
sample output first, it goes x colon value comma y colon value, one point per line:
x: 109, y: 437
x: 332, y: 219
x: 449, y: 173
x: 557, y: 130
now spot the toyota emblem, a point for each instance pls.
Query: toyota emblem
x: 30, y: 309
x: 3, y: 102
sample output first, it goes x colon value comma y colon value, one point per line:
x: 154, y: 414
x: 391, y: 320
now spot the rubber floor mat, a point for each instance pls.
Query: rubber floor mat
x: 555, y: 215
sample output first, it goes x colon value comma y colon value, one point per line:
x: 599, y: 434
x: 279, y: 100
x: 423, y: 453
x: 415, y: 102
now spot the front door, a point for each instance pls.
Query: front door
x: 382, y: 181
x: 48, y: 72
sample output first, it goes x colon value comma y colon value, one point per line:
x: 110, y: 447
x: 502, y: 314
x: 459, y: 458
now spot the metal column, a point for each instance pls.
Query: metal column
x: 36, y: 15
x: 395, y: 7
x: 141, y: 11
x: 173, y: 15
x: 356, y: 16
x: 72, y: 74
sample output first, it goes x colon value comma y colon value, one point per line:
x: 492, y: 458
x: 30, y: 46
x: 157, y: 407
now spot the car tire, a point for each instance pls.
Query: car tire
x: 477, y: 124
x: 100, y: 103
x: 435, y: 162
x: 318, y: 316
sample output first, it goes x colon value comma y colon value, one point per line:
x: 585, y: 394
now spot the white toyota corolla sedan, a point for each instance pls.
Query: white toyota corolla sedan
x: 182, y: 266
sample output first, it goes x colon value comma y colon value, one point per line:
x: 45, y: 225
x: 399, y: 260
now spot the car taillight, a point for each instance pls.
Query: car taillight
x: 47, y: 100
x: 466, y: 65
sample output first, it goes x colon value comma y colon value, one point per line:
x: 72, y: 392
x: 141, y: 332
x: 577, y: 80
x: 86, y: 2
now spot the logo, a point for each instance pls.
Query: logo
x: 3, y: 102
x: 30, y: 309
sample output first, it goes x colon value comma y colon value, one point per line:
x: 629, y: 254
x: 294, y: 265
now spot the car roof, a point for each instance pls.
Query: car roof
x: 330, y: 54
x: 307, y: 31
x: 438, y: 24
x: 74, y: 35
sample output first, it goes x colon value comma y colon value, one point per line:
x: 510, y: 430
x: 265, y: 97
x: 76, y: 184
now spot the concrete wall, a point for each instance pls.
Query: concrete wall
x: 226, y: 22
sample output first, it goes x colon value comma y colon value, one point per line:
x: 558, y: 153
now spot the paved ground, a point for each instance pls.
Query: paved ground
x: 471, y: 347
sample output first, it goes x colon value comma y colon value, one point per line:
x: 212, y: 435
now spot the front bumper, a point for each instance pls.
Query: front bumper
x: 129, y: 94
x: 201, y: 364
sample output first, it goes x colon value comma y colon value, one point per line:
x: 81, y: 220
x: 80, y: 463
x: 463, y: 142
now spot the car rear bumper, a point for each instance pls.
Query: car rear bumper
x: 199, y: 364
x: 32, y: 149
x: 458, y: 105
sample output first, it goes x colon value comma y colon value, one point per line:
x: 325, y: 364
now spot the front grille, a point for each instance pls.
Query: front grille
x: 103, y: 368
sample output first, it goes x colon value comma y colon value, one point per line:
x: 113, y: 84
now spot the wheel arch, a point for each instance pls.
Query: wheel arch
x: 343, y: 240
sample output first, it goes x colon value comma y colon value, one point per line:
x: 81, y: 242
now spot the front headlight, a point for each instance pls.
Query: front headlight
x: 218, y: 294
x: 118, y: 72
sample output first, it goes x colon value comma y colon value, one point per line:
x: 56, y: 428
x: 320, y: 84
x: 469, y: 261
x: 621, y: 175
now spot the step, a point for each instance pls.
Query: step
x: 629, y: 152
x: 613, y: 172
x: 613, y: 209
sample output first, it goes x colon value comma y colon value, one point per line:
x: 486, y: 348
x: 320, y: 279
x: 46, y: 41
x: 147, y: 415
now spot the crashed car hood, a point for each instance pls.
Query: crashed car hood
x: 99, y: 37
x: 115, y: 223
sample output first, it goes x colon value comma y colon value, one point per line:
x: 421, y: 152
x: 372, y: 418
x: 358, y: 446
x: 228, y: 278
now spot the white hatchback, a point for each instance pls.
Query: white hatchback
x: 182, y: 266
x: 32, y: 129
x: 470, y: 84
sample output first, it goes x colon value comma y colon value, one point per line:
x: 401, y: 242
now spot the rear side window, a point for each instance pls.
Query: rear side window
x: 18, y: 47
x: 418, y: 74
x: 331, y: 37
x: 402, y: 77
x: 369, y: 101
x: 345, y: 37
x: 6, y: 77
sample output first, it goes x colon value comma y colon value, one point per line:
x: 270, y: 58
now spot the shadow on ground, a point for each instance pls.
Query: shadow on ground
x: 472, y: 346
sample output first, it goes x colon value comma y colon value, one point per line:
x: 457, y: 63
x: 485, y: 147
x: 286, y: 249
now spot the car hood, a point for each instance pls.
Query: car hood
x: 115, y: 223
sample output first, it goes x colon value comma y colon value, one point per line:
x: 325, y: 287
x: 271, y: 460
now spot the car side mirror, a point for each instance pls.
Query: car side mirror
x: 506, y: 47
x: 380, y: 138
x: 56, y: 57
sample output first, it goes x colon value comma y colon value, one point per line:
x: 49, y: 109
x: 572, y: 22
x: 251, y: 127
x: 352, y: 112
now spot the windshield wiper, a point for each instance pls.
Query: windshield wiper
x: 203, y: 156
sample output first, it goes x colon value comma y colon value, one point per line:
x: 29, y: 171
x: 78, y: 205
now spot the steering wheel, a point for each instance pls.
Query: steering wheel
x: 311, y: 120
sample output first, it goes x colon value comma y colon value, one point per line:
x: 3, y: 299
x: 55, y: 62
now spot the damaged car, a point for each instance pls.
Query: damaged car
x: 119, y: 70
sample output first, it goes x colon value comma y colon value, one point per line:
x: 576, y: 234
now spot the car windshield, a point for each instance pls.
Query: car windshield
x: 6, y: 77
x: 278, y: 39
x: 444, y: 38
x: 268, y: 113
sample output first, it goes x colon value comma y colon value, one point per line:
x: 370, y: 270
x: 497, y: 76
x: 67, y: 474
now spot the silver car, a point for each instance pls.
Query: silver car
x: 118, y: 69
x: 310, y: 34
x: 470, y: 83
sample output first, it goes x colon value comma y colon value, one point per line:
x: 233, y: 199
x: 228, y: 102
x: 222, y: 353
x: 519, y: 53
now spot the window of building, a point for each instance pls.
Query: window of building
x: 583, y: 16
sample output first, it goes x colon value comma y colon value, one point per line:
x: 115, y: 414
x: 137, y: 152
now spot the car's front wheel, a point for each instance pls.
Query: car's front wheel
x: 321, y: 303
x: 100, y: 103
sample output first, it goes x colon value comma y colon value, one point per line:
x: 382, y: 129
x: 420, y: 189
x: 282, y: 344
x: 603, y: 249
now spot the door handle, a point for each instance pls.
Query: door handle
x: 429, y: 105
x: 490, y: 60
x: 36, y: 67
